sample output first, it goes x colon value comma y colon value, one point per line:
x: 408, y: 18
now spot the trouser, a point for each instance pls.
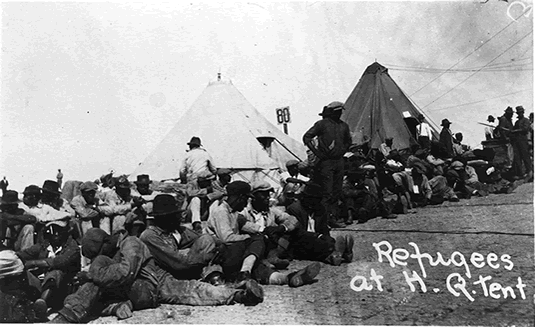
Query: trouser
x: 521, y: 156
x: 195, y: 209
x: 308, y: 246
x: 441, y: 190
x: 510, y: 155
x: 198, y: 255
x: 329, y: 174
x: 25, y: 238
x: 425, y: 142
x: 92, y: 299
x: 236, y: 252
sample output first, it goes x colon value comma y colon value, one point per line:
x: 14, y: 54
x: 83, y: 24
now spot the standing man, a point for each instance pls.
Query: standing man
x: 197, y: 160
x: 519, y: 140
x: 489, y: 130
x: 3, y: 185
x: 446, y: 138
x: 423, y: 131
x: 505, y: 126
x: 386, y: 147
x: 334, y: 141
x: 59, y: 177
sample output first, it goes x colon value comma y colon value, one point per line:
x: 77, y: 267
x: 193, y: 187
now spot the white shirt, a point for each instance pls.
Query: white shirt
x: 423, y: 129
x: 311, y: 224
x: 196, y: 161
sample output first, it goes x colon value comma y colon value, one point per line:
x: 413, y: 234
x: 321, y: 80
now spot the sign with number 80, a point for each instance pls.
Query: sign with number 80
x: 283, y: 115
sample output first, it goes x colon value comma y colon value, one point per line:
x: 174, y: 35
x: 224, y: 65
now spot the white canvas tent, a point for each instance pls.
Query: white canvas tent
x: 229, y: 128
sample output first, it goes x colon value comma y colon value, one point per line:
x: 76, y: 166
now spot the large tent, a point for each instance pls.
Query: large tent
x: 235, y: 134
x: 378, y: 108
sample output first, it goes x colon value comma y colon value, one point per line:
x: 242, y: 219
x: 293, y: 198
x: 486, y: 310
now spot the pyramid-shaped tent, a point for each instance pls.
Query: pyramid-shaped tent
x: 378, y: 108
x: 228, y: 126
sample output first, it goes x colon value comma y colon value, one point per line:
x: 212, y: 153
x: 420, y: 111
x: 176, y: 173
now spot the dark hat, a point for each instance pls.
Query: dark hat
x: 389, y: 139
x: 51, y: 187
x: 143, y: 180
x: 122, y: 182
x: 10, y: 197
x: 313, y: 191
x: 195, y: 141
x: 165, y: 204
x: 239, y: 188
x: 509, y: 110
x: 457, y: 165
x: 56, y: 227
x: 331, y: 108
x: 205, y: 176
x: 291, y: 163
x: 260, y: 186
x: 490, y: 118
x: 445, y: 122
x: 88, y: 186
x: 419, y: 167
x: 93, y: 241
x: 223, y: 171
x: 420, y: 116
x: 326, y: 112
x: 32, y: 189
x: 520, y: 109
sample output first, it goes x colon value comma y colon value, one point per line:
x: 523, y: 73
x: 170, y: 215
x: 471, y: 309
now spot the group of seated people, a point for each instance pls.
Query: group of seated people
x: 111, y: 247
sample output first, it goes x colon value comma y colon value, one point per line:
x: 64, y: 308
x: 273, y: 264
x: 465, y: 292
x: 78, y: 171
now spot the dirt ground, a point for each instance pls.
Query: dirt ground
x: 499, y: 224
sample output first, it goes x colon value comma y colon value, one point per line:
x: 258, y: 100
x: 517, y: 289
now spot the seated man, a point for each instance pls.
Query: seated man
x: 200, y: 195
x: 16, y: 227
x: 58, y: 259
x: 124, y: 277
x: 386, y: 147
x: 243, y: 255
x: 292, y: 183
x: 223, y: 179
x: 121, y: 210
x: 17, y: 295
x: 51, y: 196
x: 312, y: 240
x: 177, y: 249
x: 424, y: 191
x: 86, y: 207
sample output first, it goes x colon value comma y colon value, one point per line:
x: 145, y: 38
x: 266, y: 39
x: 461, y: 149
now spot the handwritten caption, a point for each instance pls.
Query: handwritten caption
x: 457, y: 284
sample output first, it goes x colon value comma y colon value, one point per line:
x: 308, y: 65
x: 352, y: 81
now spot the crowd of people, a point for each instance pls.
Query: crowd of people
x: 112, y: 246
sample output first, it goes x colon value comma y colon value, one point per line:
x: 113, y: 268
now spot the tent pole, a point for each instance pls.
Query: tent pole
x: 284, y: 146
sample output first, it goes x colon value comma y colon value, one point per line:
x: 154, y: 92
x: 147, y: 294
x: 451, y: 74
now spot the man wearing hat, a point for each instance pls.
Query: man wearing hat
x: 86, y: 206
x: 123, y: 277
x: 223, y: 179
x: 520, y: 142
x: 16, y: 227
x: 196, y: 161
x: 3, y: 185
x: 200, y: 194
x: 334, y: 140
x: 143, y: 191
x: 177, y: 249
x: 312, y: 240
x: 386, y: 147
x: 292, y: 183
x: 424, y: 133
x: 504, y: 128
x: 56, y: 207
x: 446, y: 137
x: 490, y: 130
x: 58, y: 259
x: 120, y: 209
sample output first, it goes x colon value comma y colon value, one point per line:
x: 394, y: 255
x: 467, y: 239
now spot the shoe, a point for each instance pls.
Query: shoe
x: 197, y: 227
x: 304, y: 276
x: 390, y: 216
x: 59, y: 319
x: 455, y: 199
x: 40, y: 308
x: 404, y: 205
x: 215, y: 278
x: 243, y: 276
x: 334, y: 258
x: 251, y: 295
x: 278, y: 263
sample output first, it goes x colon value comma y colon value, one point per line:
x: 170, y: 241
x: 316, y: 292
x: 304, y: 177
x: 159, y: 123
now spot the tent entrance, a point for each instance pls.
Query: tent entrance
x: 411, y: 123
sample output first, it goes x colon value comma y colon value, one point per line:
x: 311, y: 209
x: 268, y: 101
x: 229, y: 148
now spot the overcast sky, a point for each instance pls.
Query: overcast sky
x: 87, y: 87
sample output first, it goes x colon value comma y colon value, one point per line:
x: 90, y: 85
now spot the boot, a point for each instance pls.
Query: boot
x: 41, y: 309
x: 304, y: 276
x: 334, y: 259
x: 277, y: 262
x: 59, y: 319
x: 347, y: 256
x: 349, y: 220
x: 251, y: 294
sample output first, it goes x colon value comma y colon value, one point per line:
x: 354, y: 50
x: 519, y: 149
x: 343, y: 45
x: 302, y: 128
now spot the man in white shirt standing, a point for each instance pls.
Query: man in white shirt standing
x: 197, y: 160
x: 423, y: 131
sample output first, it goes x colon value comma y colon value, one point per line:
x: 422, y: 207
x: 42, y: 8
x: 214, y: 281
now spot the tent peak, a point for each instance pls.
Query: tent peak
x: 219, y: 80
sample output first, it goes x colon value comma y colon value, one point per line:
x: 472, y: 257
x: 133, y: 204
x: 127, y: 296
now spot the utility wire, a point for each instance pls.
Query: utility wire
x: 511, y: 63
x: 466, y: 104
x: 478, y: 70
x: 496, y: 34
x: 463, y: 71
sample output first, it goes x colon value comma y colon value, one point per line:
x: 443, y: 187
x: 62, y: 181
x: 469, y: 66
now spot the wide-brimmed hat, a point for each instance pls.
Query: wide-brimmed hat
x: 445, y: 122
x: 10, y: 264
x: 261, y: 186
x: 457, y: 165
x: 312, y: 190
x: 51, y: 187
x: 195, y: 141
x: 509, y: 110
x: 10, y: 197
x: 143, y: 180
x: 32, y: 189
x: 420, y: 117
x: 122, y: 182
x: 223, y: 171
x: 239, y: 188
x: 331, y: 108
x: 291, y: 163
x: 164, y: 204
x: 88, y: 186
x: 491, y: 118
x: 520, y: 109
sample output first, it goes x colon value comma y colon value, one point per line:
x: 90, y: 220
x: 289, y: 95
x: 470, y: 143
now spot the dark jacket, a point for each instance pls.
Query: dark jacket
x: 67, y: 260
x: 320, y: 218
x: 334, y: 138
x: 447, y: 140
x: 8, y: 220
